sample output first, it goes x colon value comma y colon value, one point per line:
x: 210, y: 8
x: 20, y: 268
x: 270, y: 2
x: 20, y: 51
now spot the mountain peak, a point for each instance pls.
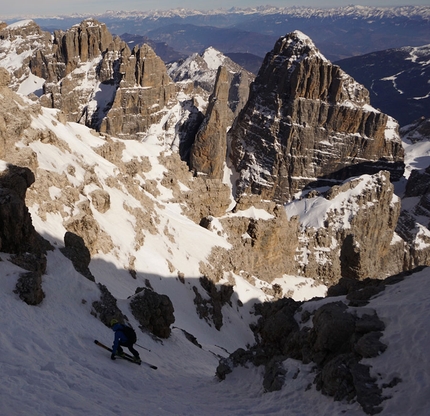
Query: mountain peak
x: 298, y: 102
x: 296, y: 46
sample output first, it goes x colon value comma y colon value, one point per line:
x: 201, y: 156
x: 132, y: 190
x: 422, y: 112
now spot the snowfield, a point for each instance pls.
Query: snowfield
x: 50, y: 364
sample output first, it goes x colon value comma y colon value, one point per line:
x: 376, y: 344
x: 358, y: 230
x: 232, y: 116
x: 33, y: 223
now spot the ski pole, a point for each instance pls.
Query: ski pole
x: 143, y: 347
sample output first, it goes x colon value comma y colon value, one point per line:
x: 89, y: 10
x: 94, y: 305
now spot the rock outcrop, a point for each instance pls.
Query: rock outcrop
x: 70, y: 69
x: 355, y: 233
x: 208, y: 152
x: 307, y: 122
x: 262, y: 247
x: 143, y: 91
x: 14, y: 120
x: 81, y: 43
x: 17, y: 233
x: 154, y: 312
x: 93, y: 77
x: 199, y: 76
x: 29, y: 288
x: 334, y: 336
x: 106, y: 308
x: 76, y: 251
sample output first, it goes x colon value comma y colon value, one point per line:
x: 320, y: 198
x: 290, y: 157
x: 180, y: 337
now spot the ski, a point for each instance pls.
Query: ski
x: 125, y: 356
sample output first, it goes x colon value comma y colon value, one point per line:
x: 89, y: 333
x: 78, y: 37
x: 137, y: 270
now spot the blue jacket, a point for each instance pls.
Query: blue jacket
x: 120, y: 338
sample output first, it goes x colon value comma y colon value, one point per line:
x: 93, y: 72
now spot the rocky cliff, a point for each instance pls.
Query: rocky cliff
x: 17, y: 233
x: 143, y: 91
x: 355, y: 233
x: 222, y: 96
x: 308, y: 123
x: 92, y: 77
x: 209, y: 150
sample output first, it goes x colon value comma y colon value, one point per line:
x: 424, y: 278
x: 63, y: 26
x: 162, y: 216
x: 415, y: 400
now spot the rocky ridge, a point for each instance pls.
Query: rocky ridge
x: 336, y: 337
x: 208, y: 152
x: 94, y: 78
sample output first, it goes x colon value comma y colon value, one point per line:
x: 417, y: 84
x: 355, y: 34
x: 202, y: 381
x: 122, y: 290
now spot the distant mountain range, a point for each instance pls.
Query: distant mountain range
x: 381, y: 47
x: 397, y: 79
x: 338, y: 32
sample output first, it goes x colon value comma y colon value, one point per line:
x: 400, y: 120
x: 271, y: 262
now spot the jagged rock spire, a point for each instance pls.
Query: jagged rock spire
x: 81, y: 43
x: 209, y: 149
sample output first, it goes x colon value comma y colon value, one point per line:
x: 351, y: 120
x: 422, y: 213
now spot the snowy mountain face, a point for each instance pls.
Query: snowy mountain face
x: 397, y: 80
x: 201, y: 69
x: 101, y: 217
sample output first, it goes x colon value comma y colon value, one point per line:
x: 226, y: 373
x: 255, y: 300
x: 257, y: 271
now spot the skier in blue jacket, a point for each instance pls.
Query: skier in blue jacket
x: 121, y: 340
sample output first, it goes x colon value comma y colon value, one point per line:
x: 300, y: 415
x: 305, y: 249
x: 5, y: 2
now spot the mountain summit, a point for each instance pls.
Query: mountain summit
x: 308, y: 123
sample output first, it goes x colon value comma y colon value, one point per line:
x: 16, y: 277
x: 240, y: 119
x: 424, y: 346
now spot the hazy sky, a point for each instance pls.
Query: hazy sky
x: 52, y: 7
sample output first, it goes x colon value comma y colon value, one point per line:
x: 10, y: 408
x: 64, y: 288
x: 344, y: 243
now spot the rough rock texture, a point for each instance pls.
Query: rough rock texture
x: 356, y: 237
x: 306, y: 120
x: 239, y: 91
x: 29, y: 288
x: 154, y: 312
x: 106, y: 307
x: 76, y: 251
x: 208, y: 152
x: 81, y: 43
x: 207, y: 197
x: 13, y: 122
x: 17, y: 234
x: 100, y: 200
x: 144, y: 90
x: 86, y: 227
x: 265, y: 248
x: 336, y: 341
x: 70, y: 69
x: 4, y: 77
x: 211, y: 309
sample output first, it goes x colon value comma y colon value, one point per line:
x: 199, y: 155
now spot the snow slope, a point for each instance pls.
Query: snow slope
x: 51, y: 366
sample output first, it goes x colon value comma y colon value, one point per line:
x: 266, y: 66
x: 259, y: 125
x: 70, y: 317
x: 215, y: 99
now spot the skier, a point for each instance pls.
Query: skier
x: 124, y: 337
